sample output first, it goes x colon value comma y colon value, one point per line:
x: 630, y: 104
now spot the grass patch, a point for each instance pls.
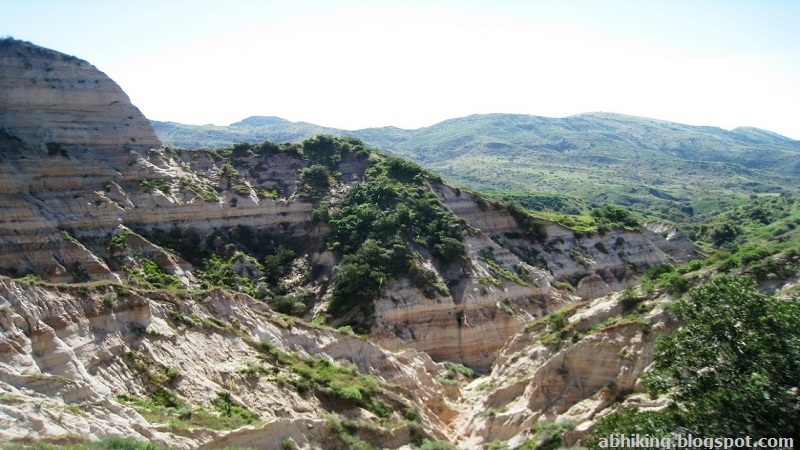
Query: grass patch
x: 344, y: 383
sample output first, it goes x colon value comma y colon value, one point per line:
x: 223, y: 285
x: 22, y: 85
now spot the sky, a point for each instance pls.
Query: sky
x: 410, y: 64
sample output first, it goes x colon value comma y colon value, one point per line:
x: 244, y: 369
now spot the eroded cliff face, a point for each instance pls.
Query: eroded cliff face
x: 77, y: 362
x: 90, y: 197
x: 81, y: 106
x: 570, y: 376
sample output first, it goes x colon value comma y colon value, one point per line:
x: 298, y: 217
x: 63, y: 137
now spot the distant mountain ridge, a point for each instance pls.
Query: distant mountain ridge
x: 668, y: 169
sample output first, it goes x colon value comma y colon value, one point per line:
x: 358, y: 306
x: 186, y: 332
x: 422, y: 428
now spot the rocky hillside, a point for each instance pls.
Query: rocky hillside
x: 321, y: 292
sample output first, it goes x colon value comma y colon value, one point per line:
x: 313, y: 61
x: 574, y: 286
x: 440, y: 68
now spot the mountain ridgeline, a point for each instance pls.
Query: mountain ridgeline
x: 668, y: 170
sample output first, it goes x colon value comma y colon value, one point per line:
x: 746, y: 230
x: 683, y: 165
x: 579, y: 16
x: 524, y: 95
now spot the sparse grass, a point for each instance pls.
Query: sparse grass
x: 203, y: 190
x: 151, y: 275
x: 166, y: 408
x: 342, y: 382
x: 79, y: 443
x: 162, y: 184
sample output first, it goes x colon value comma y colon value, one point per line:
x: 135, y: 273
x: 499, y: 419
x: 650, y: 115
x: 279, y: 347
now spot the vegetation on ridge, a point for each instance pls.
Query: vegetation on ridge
x: 571, y: 165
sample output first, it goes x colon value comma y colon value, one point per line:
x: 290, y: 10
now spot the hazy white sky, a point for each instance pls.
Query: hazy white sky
x: 357, y: 64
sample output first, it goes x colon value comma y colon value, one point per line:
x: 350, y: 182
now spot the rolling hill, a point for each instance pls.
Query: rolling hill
x: 668, y: 170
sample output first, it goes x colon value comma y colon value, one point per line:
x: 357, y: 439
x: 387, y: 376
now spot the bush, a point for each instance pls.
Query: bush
x: 629, y: 299
x: 616, y: 216
x: 436, y: 445
x: 315, y: 182
x: 656, y: 272
x: 288, y: 444
x: 323, y: 150
x: 556, y: 321
x: 161, y: 184
x: 675, y: 283
x: 151, y: 275
x: 732, y: 369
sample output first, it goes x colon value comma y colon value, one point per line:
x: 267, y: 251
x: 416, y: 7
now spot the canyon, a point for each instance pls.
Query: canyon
x: 108, y: 240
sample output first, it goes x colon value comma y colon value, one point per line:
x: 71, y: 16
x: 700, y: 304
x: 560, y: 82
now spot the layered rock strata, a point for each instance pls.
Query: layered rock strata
x: 88, y: 193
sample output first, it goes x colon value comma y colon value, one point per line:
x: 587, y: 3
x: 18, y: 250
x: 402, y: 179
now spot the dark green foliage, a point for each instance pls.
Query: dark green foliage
x: 654, y: 273
x: 633, y: 421
x: 731, y: 370
x: 556, y: 321
x: 450, y: 249
x: 278, y: 265
x: 162, y: 184
x: 288, y: 444
x: 117, y: 242
x: 548, y: 435
x: 323, y: 150
x: 374, y: 227
x: 454, y: 370
x: 404, y: 170
x: 292, y: 304
x: 118, y: 443
x: 242, y: 150
x: 671, y: 171
x: 228, y: 407
x: 723, y: 233
x: 537, y: 201
x: 534, y: 227
x: 675, y: 283
x: 181, y: 415
x: 152, y: 276
x: 360, y: 275
x: 436, y: 445
x: 315, y: 182
x: 629, y: 299
x: 241, y: 189
x: 219, y: 270
x: 761, y: 220
x: 616, y: 216
x: 166, y: 397
x: 320, y: 375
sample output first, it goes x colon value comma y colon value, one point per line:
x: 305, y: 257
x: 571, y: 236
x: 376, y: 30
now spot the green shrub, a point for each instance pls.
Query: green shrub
x: 151, y: 275
x: 323, y: 150
x: 616, y: 216
x: 629, y: 299
x: 732, y: 369
x: 436, y: 445
x: 288, y: 444
x: 203, y: 190
x: 315, y: 182
x: 556, y: 321
x: 219, y: 270
x: 161, y: 184
x: 269, y: 193
x: 675, y: 283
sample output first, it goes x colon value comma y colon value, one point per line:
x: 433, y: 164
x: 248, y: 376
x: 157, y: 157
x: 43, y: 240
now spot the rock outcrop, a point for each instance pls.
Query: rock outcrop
x: 82, y: 107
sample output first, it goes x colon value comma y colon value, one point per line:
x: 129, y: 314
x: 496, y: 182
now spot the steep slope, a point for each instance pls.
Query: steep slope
x: 156, y: 280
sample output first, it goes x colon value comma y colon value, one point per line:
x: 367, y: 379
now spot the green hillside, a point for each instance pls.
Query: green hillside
x: 668, y: 170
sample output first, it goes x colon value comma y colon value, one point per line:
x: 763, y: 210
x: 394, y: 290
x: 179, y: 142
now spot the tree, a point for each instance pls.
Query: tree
x: 733, y: 368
